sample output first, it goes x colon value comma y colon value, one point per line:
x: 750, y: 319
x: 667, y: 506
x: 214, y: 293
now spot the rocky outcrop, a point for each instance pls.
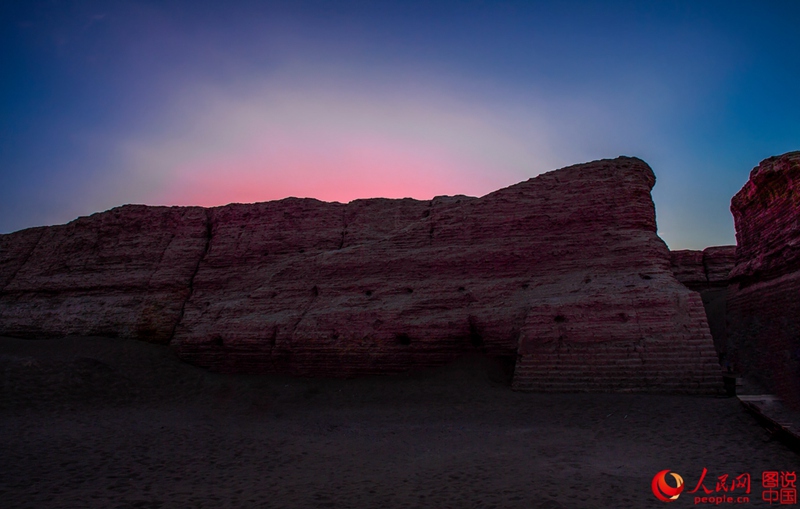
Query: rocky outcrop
x: 708, y: 272
x: 764, y: 295
x: 704, y: 270
x: 719, y: 262
x: 563, y: 275
x: 687, y: 265
x: 126, y: 272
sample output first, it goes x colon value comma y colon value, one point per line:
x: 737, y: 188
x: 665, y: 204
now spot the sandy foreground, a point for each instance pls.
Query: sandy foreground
x: 96, y: 422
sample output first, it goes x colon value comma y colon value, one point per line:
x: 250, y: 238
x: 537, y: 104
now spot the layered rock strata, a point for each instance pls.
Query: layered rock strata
x: 708, y: 269
x: 764, y: 296
x: 126, y: 272
x: 708, y: 272
x: 563, y: 273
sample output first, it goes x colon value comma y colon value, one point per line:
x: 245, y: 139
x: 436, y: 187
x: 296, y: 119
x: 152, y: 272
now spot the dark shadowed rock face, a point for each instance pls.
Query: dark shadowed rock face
x: 708, y: 272
x: 764, y: 296
x: 563, y: 274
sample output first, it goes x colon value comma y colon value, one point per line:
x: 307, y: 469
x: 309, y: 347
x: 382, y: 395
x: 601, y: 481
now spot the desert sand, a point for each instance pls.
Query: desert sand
x: 98, y: 422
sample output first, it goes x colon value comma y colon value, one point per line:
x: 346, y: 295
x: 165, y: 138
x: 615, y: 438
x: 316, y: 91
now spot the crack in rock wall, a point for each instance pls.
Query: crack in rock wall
x: 122, y: 273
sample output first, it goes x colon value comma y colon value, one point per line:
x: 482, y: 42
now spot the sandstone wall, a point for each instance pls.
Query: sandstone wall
x: 126, y: 272
x: 704, y: 270
x: 764, y: 295
x: 563, y: 273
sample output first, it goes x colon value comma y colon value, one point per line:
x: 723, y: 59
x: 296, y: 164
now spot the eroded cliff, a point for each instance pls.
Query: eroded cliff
x: 563, y: 275
x: 764, y: 295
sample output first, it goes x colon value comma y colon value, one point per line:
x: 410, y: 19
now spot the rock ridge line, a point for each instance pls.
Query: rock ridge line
x: 561, y: 276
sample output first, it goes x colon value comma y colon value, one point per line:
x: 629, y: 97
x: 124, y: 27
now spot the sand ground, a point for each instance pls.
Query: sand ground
x: 95, y: 422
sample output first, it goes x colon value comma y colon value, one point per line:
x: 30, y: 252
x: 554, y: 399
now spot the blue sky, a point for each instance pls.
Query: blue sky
x: 207, y: 103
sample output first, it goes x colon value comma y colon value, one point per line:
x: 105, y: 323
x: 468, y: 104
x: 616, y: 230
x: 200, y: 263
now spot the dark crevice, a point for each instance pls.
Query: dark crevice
x: 25, y: 261
x: 271, y: 342
x: 430, y: 220
x: 314, y: 295
x: 475, y: 336
x: 705, y: 268
x: 194, y: 273
x: 273, y: 339
x: 344, y: 227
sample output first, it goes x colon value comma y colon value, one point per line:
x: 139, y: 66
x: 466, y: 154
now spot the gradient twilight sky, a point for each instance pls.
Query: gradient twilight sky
x: 195, y: 102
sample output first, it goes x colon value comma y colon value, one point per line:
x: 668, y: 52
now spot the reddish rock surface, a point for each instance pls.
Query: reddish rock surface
x: 687, y: 265
x: 719, y: 262
x: 706, y: 269
x: 563, y: 273
x: 125, y: 272
x: 764, y: 295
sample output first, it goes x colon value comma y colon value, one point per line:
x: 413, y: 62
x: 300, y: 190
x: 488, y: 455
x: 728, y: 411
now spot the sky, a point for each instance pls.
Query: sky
x: 206, y: 103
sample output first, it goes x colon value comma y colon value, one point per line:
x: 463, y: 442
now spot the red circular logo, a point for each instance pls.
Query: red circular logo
x: 664, y: 491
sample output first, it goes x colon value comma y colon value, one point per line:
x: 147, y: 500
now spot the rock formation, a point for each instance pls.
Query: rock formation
x: 125, y: 272
x: 708, y: 272
x: 704, y: 270
x: 764, y: 295
x: 563, y: 275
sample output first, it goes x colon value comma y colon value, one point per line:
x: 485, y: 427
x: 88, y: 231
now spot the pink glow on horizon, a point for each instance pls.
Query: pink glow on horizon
x: 334, y: 144
x: 366, y: 169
